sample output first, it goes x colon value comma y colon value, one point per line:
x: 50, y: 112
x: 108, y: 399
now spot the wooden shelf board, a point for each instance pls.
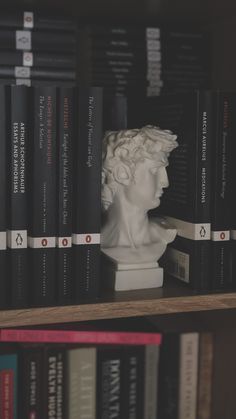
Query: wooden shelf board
x: 170, y: 299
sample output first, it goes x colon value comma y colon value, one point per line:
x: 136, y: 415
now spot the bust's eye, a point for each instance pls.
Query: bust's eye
x: 154, y: 170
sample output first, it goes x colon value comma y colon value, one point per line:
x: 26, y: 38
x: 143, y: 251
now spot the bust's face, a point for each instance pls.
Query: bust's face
x: 149, y: 180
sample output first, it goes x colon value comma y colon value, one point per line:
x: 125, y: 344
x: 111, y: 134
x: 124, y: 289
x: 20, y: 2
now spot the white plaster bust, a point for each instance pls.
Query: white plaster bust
x: 133, y: 178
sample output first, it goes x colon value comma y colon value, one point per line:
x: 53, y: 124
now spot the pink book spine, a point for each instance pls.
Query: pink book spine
x: 87, y: 337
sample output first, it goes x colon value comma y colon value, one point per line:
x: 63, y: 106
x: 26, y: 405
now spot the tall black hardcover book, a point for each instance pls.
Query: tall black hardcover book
x: 87, y: 193
x: 186, y: 202
x: 42, y: 231
x: 64, y: 191
x: 220, y: 192
x: 18, y: 127
x: 4, y: 294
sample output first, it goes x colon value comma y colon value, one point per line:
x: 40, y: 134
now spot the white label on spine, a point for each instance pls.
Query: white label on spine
x: 178, y: 264
x: 28, y: 59
x: 154, y: 74
x: 64, y: 242
x: 28, y: 20
x: 41, y: 242
x: 152, y: 33
x: 233, y: 234
x: 155, y: 83
x: 153, y: 44
x: 220, y: 236
x: 153, y: 91
x: 23, y: 40
x: 3, y: 240
x: 154, y: 56
x: 24, y: 82
x: 89, y: 238
x: 192, y: 231
x: 22, y: 72
x: 154, y: 66
x: 17, y: 239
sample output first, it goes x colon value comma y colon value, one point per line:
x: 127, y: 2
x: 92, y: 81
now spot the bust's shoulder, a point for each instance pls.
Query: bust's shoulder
x: 160, y: 229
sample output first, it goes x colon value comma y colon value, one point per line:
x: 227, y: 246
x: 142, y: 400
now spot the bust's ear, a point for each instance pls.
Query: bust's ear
x: 122, y: 174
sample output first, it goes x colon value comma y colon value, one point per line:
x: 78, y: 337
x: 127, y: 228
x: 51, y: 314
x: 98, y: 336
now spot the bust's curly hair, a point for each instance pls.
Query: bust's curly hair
x: 130, y: 147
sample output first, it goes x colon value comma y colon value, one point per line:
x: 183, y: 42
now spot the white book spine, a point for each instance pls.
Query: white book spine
x: 82, y: 383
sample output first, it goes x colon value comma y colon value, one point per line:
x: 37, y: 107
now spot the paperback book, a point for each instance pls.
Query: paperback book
x: 222, y: 120
x: 43, y: 210
x: 18, y: 193
x: 65, y: 137
x: 87, y: 193
x: 4, y: 289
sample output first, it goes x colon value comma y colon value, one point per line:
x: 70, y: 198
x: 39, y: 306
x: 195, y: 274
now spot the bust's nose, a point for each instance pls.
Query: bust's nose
x: 164, y: 182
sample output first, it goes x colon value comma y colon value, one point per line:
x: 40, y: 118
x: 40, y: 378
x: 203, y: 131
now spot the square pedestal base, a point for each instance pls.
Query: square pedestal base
x: 132, y: 279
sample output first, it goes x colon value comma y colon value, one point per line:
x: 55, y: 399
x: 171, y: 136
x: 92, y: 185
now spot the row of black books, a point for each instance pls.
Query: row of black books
x: 200, y: 200
x: 157, y: 59
x: 36, y: 49
x: 50, y: 151
x: 74, y: 374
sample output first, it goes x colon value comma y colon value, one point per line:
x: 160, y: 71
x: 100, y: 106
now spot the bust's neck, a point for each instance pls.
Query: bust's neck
x: 126, y: 225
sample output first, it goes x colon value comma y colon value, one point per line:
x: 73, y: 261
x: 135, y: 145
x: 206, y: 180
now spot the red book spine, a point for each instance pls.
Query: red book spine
x: 93, y: 337
x: 6, y: 394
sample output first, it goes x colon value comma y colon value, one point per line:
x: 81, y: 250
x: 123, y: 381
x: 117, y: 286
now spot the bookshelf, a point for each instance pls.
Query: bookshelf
x: 174, y: 305
x: 220, y: 21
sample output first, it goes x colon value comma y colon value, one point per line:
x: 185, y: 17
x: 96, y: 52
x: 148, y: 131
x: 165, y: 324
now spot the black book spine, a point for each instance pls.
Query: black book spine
x: 30, y: 383
x: 133, y: 387
x: 42, y: 237
x: 49, y: 398
x: 18, y: 194
x: 31, y: 20
x: 87, y: 194
x: 232, y: 177
x: 202, y: 177
x: 220, y: 199
x: 4, y: 295
x: 64, y: 191
x: 109, y: 383
x: 54, y: 382
x: 37, y: 59
x: 168, y: 380
x: 27, y: 40
x: 36, y: 73
x: 35, y: 82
